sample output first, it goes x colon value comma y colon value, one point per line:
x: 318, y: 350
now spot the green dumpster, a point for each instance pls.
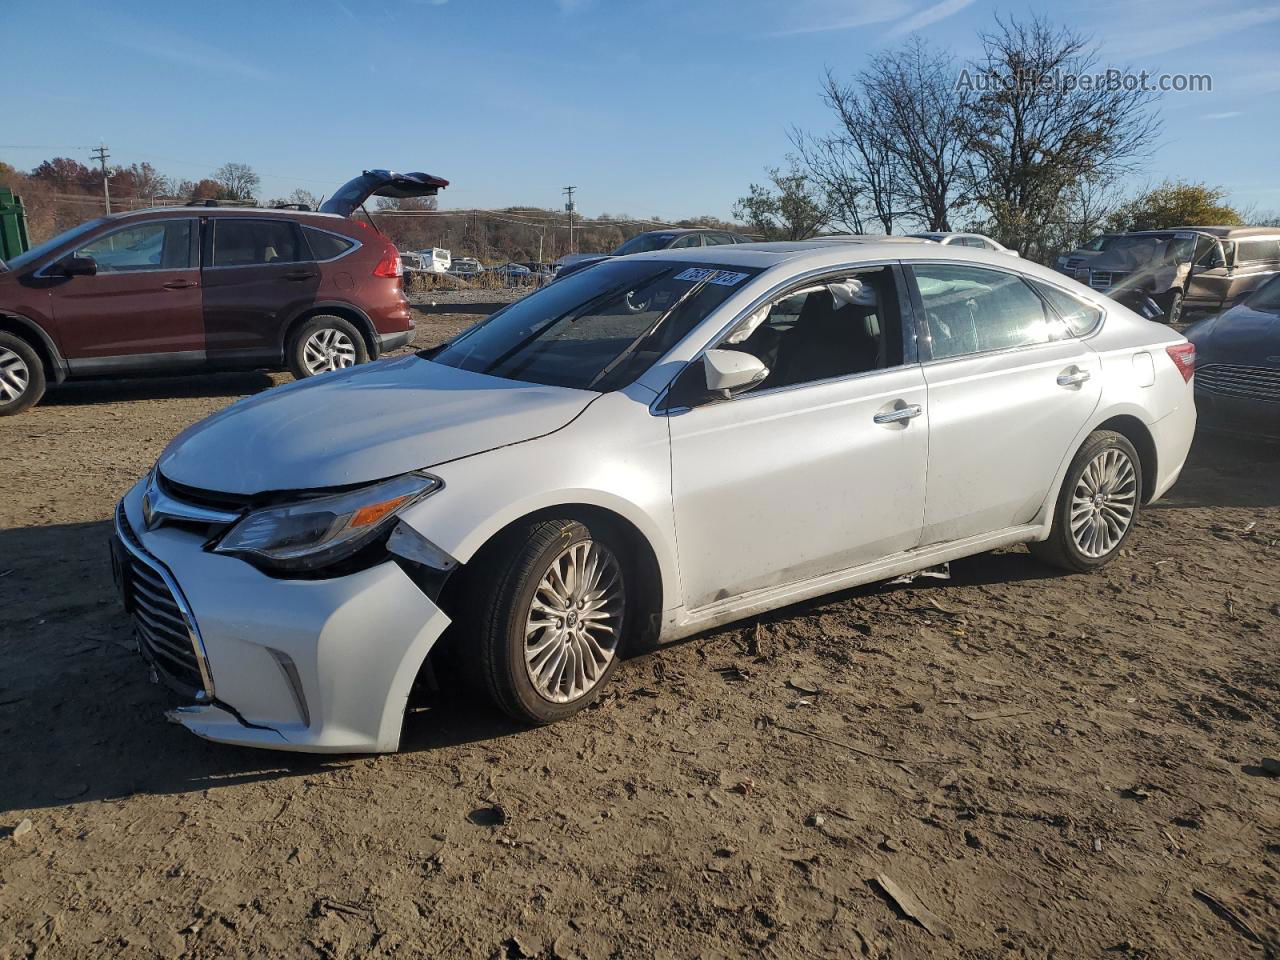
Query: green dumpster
x: 13, y: 225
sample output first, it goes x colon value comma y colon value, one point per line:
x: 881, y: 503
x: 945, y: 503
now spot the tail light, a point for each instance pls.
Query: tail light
x: 389, y: 265
x: 1183, y: 356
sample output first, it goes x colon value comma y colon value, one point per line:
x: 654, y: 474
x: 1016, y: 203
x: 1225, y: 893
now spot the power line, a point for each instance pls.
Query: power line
x: 570, y: 207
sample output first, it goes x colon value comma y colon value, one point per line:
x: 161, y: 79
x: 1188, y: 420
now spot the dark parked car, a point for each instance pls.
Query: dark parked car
x: 176, y: 289
x: 658, y: 240
x: 1186, y: 269
x: 1238, y: 365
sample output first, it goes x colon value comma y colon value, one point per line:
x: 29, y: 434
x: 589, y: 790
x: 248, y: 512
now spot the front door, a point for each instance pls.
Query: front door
x: 819, y: 468
x: 258, y: 275
x: 1009, y: 388
x: 142, y: 309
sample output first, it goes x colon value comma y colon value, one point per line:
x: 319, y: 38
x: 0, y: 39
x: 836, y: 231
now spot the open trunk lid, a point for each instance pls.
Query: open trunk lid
x: 381, y: 183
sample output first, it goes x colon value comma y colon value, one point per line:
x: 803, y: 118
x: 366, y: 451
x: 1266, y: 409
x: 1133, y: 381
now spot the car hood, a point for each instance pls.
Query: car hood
x: 1241, y: 335
x: 363, y: 424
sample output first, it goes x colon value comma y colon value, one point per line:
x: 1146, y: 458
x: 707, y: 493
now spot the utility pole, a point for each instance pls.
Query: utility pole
x: 101, y: 155
x: 569, y: 208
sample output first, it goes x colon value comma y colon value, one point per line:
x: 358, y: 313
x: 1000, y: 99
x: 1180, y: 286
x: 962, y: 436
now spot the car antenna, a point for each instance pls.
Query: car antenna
x: 369, y: 216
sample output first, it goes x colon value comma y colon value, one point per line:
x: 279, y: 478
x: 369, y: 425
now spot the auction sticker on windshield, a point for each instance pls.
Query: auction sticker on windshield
x: 725, y: 278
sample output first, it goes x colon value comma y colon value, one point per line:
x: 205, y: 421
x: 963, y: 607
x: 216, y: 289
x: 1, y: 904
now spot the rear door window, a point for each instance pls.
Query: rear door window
x: 974, y: 310
x: 246, y: 243
x: 1253, y: 251
x: 327, y: 246
x: 155, y: 245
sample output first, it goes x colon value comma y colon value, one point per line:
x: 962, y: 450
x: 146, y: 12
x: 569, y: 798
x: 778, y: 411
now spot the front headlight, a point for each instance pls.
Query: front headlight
x: 314, y: 533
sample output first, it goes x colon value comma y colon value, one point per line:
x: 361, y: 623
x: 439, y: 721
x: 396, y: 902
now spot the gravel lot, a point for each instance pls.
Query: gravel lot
x: 1034, y: 765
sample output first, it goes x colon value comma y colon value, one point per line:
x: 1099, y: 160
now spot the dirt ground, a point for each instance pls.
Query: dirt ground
x: 1034, y: 765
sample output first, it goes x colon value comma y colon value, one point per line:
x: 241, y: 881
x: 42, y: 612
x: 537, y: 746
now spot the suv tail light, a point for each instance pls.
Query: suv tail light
x: 389, y: 265
x: 1183, y: 356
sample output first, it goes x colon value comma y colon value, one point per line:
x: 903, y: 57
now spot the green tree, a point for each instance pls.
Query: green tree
x: 793, y: 208
x: 1176, y: 204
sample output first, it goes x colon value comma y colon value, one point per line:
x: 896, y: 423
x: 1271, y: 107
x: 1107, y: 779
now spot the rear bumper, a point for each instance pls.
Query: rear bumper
x: 393, y: 341
x: 321, y: 666
x: 1172, y: 435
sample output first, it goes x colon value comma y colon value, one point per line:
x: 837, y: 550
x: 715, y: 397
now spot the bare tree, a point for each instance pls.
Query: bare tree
x: 237, y: 181
x: 793, y: 209
x: 1035, y: 130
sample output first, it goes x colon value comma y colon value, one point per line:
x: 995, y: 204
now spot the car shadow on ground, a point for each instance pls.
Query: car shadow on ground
x: 1226, y: 470
x: 79, y: 720
x: 194, y: 385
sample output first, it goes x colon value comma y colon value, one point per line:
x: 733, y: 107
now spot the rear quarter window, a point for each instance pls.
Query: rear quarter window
x: 1080, y: 317
x: 325, y: 245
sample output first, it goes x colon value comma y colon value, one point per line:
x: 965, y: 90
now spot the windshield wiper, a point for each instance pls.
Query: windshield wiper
x: 649, y: 331
x: 535, y: 334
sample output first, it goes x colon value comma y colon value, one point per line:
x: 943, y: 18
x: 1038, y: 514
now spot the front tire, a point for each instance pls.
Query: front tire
x: 324, y: 343
x: 1171, y: 304
x: 22, y: 379
x: 552, y: 604
x: 1098, y: 505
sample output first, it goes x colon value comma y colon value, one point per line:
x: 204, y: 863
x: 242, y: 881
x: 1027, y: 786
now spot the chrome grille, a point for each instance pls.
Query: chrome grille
x: 167, y: 632
x: 1239, y: 381
x: 1106, y: 279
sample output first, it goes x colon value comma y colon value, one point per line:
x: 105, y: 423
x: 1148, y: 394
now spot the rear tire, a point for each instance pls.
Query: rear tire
x: 22, y: 380
x: 1097, y: 507
x: 552, y: 599
x: 324, y: 343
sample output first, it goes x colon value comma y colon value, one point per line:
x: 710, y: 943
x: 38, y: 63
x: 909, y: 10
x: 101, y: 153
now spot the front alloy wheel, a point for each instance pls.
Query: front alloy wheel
x: 552, y: 602
x: 571, y: 631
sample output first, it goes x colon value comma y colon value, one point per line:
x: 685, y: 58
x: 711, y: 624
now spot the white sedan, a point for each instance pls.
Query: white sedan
x: 975, y: 240
x: 653, y: 447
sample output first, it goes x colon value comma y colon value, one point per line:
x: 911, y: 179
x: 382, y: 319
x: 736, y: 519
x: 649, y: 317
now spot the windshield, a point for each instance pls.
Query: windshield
x: 598, y: 329
x: 34, y: 255
x: 643, y: 243
x: 1171, y: 248
x: 1267, y: 297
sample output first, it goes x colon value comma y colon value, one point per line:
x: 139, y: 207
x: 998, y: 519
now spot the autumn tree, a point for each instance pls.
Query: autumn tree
x: 237, y: 181
x: 1176, y: 204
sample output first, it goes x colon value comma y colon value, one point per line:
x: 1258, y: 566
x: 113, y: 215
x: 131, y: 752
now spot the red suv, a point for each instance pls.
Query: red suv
x: 176, y: 289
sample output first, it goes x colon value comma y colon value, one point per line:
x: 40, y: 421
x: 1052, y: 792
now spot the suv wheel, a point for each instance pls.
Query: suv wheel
x: 551, y: 609
x: 1098, y: 506
x: 21, y: 375
x: 325, y: 343
x: 1171, y: 304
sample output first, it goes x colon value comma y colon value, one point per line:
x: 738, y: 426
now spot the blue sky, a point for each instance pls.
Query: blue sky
x: 650, y: 107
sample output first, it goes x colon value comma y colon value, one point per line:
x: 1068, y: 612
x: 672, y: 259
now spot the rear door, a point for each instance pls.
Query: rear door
x: 143, y: 307
x: 258, y: 275
x: 1009, y: 389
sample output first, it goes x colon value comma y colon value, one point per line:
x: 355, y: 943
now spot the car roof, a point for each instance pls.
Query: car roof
x: 201, y: 210
x: 1222, y: 233
x: 801, y: 255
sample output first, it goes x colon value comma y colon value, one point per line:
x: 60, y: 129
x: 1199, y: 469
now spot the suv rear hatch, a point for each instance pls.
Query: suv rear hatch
x: 381, y: 183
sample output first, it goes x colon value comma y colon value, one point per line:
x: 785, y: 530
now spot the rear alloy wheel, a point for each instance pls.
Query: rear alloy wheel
x: 22, y: 379
x: 1099, y: 503
x: 552, y: 605
x: 324, y: 344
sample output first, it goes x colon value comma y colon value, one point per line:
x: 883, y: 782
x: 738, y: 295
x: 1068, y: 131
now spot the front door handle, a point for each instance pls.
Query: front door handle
x: 179, y: 284
x: 909, y: 412
x: 1072, y: 377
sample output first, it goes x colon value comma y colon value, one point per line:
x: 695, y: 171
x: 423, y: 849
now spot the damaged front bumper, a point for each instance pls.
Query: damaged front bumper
x: 311, y: 665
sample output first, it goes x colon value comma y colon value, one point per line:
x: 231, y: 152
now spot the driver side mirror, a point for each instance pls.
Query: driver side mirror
x: 730, y: 371
x: 74, y: 266
x: 720, y: 375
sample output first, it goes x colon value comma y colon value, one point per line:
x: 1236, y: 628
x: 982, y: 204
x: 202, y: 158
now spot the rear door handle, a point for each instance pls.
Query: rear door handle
x: 1073, y: 377
x: 179, y: 284
x: 909, y: 412
x: 299, y: 275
